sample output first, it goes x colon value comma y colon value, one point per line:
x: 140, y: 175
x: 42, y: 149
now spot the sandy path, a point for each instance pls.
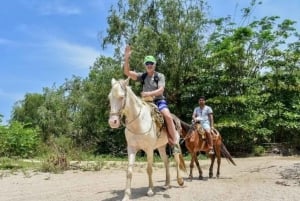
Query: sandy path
x: 253, y: 179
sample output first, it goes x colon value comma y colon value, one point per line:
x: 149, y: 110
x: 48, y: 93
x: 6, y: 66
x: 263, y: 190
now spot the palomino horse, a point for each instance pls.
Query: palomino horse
x: 141, y: 133
x: 195, y: 143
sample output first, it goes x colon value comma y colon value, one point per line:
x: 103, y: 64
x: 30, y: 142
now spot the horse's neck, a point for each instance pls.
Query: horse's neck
x: 137, y: 113
x: 133, y: 104
x: 185, y: 128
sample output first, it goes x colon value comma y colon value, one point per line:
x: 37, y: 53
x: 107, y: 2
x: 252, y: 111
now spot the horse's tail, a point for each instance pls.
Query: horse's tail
x: 226, y: 153
x: 178, y: 157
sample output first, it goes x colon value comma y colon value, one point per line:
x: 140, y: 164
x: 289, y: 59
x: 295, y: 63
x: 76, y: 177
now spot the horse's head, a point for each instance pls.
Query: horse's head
x: 117, y: 98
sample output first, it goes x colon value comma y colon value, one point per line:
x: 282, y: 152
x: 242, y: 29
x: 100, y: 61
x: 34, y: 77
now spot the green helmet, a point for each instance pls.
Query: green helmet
x: 149, y: 58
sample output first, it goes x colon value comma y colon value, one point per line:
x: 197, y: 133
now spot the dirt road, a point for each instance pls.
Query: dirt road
x: 253, y: 179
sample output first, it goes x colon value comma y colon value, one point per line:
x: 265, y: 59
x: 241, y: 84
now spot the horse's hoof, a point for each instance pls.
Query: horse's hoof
x: 166, y: 187
x: 150, y: 193
x: 200, y: 177
x: 126, y: 195
x: 180, y: 182
x: 190, y: 178
x: 125, y: 199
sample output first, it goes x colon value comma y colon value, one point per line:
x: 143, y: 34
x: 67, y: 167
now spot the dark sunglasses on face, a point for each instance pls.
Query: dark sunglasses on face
x: 149, y: 63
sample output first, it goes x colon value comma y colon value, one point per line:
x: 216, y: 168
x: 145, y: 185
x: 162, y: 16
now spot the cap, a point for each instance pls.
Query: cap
x: 149, y: 58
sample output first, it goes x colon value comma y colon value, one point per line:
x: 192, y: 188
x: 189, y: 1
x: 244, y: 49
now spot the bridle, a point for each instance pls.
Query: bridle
x: 121, y: 112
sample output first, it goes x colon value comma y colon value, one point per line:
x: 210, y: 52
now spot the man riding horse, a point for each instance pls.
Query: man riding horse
x: 203, y: 114
x: 153, y: 88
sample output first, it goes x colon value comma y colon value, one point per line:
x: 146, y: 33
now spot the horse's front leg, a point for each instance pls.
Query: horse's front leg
x: 164, y: 157
x: 191, y: 166
x: 131, y: 159
x: 149, y: 171
x: 198, y: 165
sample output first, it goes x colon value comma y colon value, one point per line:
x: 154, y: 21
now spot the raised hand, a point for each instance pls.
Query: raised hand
x: 127, y: 51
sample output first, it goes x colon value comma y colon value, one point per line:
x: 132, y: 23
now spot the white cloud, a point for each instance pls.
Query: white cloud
x: 56, y: 8
x: 53, y: 7
x: 75, y: 55
x: 50, y: 45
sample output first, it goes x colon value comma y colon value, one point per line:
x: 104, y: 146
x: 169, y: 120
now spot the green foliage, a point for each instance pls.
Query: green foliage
x: 249, y: 72
x: 19, y: 141
x: 258, y: 150
x: 93, y: 110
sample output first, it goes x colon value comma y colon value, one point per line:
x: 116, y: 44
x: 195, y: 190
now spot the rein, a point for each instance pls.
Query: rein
x: 188, y: 133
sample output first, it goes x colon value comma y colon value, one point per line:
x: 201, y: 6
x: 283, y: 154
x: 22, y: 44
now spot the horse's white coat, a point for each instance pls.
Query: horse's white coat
x: 140, y: 132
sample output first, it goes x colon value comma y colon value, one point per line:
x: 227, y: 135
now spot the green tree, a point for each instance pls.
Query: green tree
x: 26, y: 110
x: 170, y: 30
x: 94, y: 108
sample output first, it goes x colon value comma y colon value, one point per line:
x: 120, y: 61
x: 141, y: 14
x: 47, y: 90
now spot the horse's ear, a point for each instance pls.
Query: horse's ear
x: 127, y: 81
x: 113, y: 81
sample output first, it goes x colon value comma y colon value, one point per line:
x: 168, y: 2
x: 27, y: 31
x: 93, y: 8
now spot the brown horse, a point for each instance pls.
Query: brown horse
x: 195, y: 143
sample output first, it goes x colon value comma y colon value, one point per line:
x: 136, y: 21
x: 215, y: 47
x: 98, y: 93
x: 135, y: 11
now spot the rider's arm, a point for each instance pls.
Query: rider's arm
x: 126, y: 67
x: 157, y: 92
x: 211, y: 119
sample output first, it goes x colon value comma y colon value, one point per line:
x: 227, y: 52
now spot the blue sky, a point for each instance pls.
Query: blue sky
x: 45, y: 42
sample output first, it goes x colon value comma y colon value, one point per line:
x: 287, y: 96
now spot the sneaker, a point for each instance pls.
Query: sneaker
x: 211, y: 152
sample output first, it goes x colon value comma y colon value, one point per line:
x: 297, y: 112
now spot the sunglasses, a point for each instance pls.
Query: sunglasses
x: 149, y: 63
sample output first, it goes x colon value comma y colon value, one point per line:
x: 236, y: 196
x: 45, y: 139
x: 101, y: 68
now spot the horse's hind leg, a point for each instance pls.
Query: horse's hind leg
x: 218, y: 147
x: 164, y: 157
x: 218, y: 153
x: 131, y: 159
x: 211, y: 168
x: 180, y: 163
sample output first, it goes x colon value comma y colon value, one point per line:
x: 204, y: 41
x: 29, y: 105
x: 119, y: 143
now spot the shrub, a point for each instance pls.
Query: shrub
x: 18, y: 141
x: 258, y: 150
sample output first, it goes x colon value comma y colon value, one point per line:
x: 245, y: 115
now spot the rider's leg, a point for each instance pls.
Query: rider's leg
x: 173, y: 136
x: 209, y: 141
x: 172, y: 133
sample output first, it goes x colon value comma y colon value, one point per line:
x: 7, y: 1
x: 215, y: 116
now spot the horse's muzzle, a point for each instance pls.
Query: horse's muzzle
x: 114, y: 121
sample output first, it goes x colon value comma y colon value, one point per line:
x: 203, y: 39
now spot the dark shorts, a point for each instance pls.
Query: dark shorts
x: 161, y: 104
